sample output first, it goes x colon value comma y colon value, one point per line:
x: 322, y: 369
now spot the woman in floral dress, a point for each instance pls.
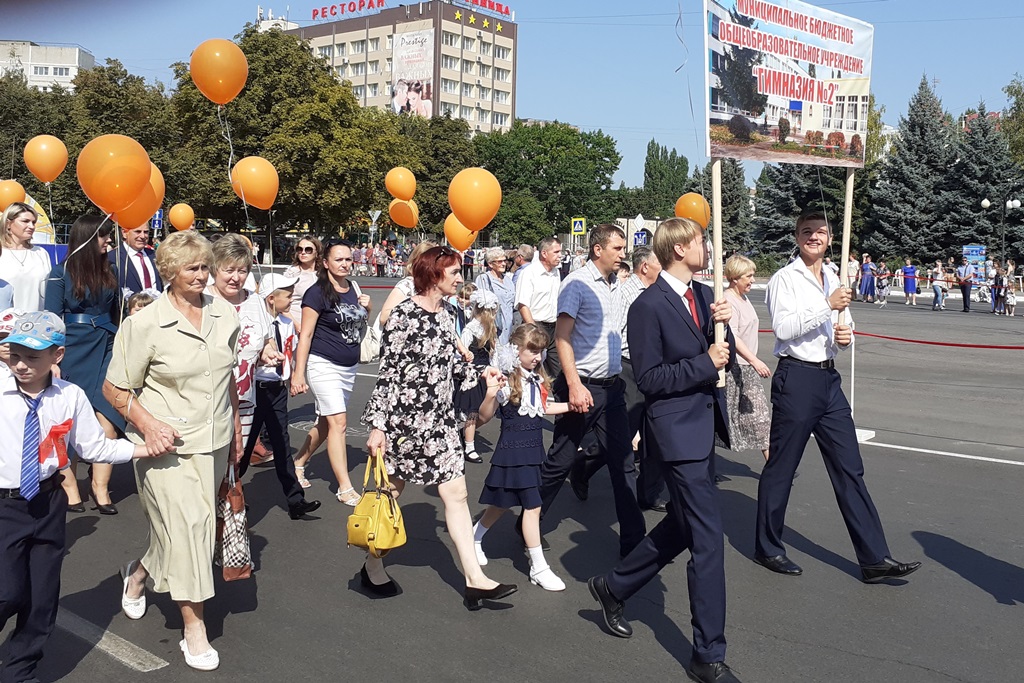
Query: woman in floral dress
x: 412, y: 417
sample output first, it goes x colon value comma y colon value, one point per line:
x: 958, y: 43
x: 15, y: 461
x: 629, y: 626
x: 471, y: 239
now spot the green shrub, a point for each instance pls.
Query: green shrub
x: 740, y: 127
x: 783, y: 130
x: 856, y: 146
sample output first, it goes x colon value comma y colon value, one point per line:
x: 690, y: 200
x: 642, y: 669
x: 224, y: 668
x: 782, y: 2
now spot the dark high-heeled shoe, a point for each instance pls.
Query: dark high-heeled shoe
x: 77, y: 507
x: 384, y: 590
x: 106, y: 509
x: 474, y: 597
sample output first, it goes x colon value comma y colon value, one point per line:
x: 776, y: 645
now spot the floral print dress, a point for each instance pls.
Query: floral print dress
x: 412, y: 400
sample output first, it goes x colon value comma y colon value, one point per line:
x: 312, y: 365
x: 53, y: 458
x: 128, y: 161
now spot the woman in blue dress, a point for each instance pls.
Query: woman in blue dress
x: 867, y: 279
x: 83, y: 291
x: 910, y: 284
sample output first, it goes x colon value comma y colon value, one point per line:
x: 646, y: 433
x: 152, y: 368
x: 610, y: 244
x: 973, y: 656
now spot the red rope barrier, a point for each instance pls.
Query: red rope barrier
x: 999, y: 347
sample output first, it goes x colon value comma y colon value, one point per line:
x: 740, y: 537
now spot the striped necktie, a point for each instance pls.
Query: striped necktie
x: 30, y: 450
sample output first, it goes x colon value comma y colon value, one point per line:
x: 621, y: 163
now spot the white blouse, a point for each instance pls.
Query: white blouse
x: 26, y: 270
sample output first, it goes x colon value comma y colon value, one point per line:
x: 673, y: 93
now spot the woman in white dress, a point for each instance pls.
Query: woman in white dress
x: 23, y: 266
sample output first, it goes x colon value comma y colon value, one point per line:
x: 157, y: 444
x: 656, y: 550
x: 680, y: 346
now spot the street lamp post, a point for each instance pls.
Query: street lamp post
x: 1010, y: 204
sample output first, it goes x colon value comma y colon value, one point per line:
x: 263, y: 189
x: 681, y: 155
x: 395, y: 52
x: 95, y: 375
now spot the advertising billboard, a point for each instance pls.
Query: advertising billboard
x: 786, y: 82
x: 413, y: 72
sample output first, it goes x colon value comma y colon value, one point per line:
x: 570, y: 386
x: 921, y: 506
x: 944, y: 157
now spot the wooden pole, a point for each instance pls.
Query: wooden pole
x: 847, y: 220
x: 716, y: 236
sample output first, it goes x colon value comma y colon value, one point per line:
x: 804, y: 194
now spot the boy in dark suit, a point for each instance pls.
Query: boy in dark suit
x: 676, y: 363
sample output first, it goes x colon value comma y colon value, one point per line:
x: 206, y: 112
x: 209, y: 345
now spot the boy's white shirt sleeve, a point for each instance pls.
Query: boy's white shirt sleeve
x: 86, y: 435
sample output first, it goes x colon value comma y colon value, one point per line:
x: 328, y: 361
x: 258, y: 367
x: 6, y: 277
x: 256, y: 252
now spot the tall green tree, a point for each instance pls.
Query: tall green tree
x: 736, y: 74
x: 1013, y: 118
x: 905, y: 210
x: 665, y: 178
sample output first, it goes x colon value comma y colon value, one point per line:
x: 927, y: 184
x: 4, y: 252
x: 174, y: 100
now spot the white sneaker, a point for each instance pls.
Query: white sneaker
x: 133, y: 608
x: 546, y: 579
x: 481, y: 558
x: 207, y: 661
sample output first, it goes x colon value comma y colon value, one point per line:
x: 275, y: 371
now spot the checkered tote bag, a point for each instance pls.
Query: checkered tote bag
x: 232, y: 548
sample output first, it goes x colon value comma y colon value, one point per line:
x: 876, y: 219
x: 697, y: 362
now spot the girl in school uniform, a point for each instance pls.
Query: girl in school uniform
x: 480, y: 336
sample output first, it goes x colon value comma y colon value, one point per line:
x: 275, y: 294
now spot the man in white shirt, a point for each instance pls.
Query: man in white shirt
x: 135, y: 263
x: 804, y: 301
x: 537, y: 296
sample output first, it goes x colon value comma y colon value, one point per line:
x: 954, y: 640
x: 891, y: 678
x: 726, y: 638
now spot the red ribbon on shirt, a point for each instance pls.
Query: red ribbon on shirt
x: 55, y: 440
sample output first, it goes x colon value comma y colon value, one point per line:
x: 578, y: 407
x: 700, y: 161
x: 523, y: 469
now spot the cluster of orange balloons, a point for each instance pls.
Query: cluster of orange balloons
x: 474, y: 196
x: 116, y: 175
x: 401, y: 184
x: 11, y: 191
x: 693, y: 206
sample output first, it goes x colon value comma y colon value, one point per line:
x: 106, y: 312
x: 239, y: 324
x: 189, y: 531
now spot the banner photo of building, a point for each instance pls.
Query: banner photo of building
x: 786, y: 82
x: 413, y: 72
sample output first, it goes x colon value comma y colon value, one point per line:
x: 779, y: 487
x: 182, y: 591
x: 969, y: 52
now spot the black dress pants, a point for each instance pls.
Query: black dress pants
x: 272, y: 412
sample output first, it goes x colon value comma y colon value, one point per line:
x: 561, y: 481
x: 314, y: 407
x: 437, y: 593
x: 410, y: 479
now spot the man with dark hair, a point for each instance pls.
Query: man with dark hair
x: 805, y: 301
x: 588, y: 336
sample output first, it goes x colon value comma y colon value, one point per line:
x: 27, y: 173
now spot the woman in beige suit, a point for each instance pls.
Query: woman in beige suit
x: 171, y: 378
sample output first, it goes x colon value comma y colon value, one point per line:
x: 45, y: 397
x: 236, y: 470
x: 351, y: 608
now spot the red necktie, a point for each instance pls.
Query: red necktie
x: 147, y: 281
x: 693, y: 306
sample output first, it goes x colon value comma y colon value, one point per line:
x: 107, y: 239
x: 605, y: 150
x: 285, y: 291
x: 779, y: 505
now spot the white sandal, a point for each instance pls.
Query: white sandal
x: 133, y: 608
x: 351, y: 502
x: 207, y: 661
x: 300, y: 474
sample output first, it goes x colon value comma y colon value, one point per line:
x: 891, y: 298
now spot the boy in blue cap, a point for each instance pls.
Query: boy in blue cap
x: 40, y: 416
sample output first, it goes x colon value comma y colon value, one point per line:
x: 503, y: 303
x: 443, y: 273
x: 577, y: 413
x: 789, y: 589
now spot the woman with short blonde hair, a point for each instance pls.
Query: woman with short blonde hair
x: 23, y: 266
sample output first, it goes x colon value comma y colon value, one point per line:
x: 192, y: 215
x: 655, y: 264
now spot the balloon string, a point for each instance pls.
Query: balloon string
x: 689, y: 89
x: 49, y: 202
x: 241, y: 186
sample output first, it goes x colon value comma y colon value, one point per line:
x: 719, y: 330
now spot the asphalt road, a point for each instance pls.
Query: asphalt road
x: 304, y: 617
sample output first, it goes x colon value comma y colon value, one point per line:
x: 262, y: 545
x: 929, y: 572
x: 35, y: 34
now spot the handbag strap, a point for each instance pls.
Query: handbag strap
x: 381, y: 481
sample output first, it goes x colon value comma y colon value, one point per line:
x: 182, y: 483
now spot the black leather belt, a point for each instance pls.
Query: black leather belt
x: 101, y: 321
x: 821, y: 365
x: 269, y: 384
x: 45, y: 485
x: 605, y: 382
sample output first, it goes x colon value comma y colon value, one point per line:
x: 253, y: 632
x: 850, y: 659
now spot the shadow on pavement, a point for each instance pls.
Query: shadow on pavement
x: 1002, y: 580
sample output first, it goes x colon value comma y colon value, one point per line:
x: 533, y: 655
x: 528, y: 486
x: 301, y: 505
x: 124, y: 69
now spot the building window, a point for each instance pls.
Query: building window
x: 467, y: 89
x: 326, y: 51
x: 373, y: 90
x: 450, y: 39
x: 359, y: 91
x: 374, y: 44
x: 40, y: 71
x: 499, y: 119
x: 482, y: 115
x: 715, y: 19
x: 467, y: 113
x: 864, y: 100
x: 469, y: 44
x: 485, y: 49
x: 851, y: 114
x: 467, y: 67
x: 340, y: 70
x: 358, y: 47
x: 485, y: 94
x: 389, y: 64
x: 375, y: 67
x: 449, y: 86
x: 359, y: 69
x: 389, y: 43
x: 485, y: 71
x: 448, y: 108
x: 61, y: 71
x: 449, y: 62
x: 339, y: 49
x: 502, y: 52
x: 501, y: 96
x: 502, y: 75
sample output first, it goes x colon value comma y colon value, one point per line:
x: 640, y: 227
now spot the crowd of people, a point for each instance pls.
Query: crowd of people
x: 179, y: 358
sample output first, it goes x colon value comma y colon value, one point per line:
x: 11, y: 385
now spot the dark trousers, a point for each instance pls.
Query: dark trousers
x: 693, y: 523
x: 31, y: 555
x: 552, y: 363
x: 467, y: 272
x: 607, y: 418
x: 805, y: 401
x: 272, y: 411
x: 965, y: 291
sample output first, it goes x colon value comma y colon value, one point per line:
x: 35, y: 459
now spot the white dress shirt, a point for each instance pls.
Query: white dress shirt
x: 802, y: 318
x: 537, y: 289
x: 61, y: 401
x: 141, y: 265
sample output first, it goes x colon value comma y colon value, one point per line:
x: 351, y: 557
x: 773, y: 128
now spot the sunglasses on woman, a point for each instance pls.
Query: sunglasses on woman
x: 305, y: 250
x: 445, y: 251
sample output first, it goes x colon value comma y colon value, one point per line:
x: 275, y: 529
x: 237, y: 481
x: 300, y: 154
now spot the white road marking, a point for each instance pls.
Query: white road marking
x: 132, y: 656
x: 363, y: 374
x: 948, y: 454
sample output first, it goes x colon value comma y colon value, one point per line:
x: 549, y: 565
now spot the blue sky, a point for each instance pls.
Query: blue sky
x: 608, y: 64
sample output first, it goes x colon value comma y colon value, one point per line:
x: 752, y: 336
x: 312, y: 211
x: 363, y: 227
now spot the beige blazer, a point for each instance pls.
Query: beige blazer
x: 181, y: 376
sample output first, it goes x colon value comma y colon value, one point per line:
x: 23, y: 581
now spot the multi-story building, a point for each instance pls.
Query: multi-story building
x: 455, y: 57
x: 44, y: 65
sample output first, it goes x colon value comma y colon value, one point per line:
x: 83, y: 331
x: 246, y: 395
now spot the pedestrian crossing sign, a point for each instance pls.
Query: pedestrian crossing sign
x: 579, y: 226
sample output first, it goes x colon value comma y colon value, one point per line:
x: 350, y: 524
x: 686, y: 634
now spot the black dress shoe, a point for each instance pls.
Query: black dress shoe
x: 304, y: 508
x: 656, y: 506
x: 889, y: 569
x: 779, y: 564
x: 105, y: 509
x: 384, y: 590
x: 711, y: 672
x: 474, y: 457
x: 474, y: 597
x: 544, y: 545
x: 611, y: 608
x: 77, y: 507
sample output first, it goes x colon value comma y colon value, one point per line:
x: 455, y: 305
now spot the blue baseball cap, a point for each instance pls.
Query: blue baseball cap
x: 38, y: 330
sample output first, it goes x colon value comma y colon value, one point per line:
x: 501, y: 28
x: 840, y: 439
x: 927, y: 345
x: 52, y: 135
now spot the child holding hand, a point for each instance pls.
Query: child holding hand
x: 514, y: 478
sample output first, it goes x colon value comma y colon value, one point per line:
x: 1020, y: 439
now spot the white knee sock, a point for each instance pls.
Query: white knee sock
x: 478, y: 532
x: 537, y: 561
x: 471, y: 446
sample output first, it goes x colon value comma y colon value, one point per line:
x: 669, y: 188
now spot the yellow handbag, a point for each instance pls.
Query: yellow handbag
x: 376, y: 522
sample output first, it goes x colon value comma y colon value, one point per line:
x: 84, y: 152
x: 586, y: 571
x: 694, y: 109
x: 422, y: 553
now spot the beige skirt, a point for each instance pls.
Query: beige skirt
x: 178, y: 494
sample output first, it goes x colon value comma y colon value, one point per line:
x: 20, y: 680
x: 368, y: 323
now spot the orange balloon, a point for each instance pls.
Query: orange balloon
x: 404, y: 212
x: 138, y: 213
x: 46, y: 157
x: 181, y: 216
x: 475, y: 197
x: 112, y: 170
x: 10, y: 191
x: 219, y: 70
x: 457, y: 234
x: 255, y: 181
x: 401, y: 183
x: 693, y: 206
